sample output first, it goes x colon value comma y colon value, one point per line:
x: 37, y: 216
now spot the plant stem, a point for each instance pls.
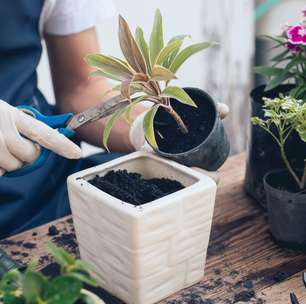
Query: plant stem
x: 178, y: 120
x: 290, y: 169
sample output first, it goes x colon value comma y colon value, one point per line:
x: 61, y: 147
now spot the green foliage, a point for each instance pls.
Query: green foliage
x: 146, y: 70
x: 283, y: 116
x: 286, y: 67
x: 33, y: 287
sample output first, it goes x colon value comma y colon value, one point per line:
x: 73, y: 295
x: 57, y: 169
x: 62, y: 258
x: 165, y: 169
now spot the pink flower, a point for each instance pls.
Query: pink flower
x: 297, y: 34
x: 304, y: 12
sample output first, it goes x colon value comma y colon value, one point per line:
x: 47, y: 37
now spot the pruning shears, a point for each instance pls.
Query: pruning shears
x: 66, y: 124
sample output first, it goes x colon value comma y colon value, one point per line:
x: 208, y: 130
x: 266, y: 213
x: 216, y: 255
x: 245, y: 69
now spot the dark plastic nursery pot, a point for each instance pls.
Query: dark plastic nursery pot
x: 206, y: 145
x: 286, y: 210
x: 263, y: 152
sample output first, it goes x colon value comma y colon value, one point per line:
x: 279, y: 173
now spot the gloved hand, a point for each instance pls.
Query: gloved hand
x: 138, y: 141
x: 16, y: 150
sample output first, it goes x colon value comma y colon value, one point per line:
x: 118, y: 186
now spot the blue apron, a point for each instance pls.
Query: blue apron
x: 40, y: 196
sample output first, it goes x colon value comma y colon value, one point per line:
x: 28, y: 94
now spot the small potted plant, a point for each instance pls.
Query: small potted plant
x: 286, y: 75
x: 32, y: 287
x: 182, y: 124
x: 286, y: 188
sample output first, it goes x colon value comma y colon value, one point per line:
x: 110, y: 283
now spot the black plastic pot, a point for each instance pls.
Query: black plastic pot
x: 263, y: 152
x: 286, y: 210
x: 212, y: 150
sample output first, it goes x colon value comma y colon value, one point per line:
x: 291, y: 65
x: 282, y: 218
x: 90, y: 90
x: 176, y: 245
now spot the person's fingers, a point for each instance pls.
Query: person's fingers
x: 20, y: 147
x: 212, y: 174
x: 8, y: 162
x: 2, y: 171
x: 46, y: 137
x: 223, y: 109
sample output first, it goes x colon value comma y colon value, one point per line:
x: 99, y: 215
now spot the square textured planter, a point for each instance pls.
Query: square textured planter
x: 143, y: 254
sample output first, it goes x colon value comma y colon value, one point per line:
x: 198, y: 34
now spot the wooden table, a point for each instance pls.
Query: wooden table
x: 243, y: 264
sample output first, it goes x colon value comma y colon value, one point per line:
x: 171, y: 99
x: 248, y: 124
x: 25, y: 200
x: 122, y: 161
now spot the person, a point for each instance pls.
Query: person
x: 68, y: 28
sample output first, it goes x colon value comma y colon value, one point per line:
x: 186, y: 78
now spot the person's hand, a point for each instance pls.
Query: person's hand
x: 21, y: 136
x: 139, y: 142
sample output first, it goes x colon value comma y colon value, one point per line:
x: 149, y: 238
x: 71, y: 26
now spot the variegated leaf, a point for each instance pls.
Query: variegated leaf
x: 148, y: 126
x: 130, y: 48
x: 186, y: 53
x: 161, y: 73
x: 143, y: 45
x: 179, y: 94
x: 157, y: 36
x: 109, y: 65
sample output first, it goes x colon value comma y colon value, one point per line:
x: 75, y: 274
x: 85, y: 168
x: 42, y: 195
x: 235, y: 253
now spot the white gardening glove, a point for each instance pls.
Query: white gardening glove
x: 139, y: 142
x: 21, y: 136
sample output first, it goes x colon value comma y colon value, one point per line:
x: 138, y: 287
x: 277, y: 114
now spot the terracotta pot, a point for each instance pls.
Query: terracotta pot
x: 146, y: 253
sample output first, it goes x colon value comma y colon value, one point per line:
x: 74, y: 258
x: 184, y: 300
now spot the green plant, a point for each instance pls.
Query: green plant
x: 283, y: 116
x: 290, y: 63
x: 33, y: 287
x: 145, y: 73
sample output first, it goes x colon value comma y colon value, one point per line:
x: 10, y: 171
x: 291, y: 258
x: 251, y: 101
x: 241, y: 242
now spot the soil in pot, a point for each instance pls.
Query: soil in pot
x: 199, y: 121
x: 133, y: 188
x: 286, y: 209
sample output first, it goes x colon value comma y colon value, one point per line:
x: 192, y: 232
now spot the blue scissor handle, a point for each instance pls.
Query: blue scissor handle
x: 54, y: 121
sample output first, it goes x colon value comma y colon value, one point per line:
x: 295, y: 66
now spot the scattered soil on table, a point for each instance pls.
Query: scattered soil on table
x: 133, y: 188
x: 29, y: 245
x: 52, y: 230
x: 199, y: 122
x: 244, y: 296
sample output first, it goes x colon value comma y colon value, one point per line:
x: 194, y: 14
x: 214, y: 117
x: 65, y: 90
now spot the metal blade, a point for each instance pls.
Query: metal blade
x: 95, y: 113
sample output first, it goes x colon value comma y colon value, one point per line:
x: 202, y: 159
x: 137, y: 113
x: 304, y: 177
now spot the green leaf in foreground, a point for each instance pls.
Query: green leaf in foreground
x: 63, y: 290
x: 179, y: 94
x: 33, y: 286
x: 148, y: 126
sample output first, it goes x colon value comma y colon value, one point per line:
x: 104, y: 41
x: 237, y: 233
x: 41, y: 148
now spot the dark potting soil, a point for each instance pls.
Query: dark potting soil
x: 133, y: 188
x: 199, y: 122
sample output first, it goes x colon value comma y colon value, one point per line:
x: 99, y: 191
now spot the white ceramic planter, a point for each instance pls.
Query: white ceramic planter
x: 143, y: 254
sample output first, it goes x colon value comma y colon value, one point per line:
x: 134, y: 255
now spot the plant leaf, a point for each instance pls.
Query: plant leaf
x: 60, y: 255
x: 166, y: 51
x: 109, y: 65
x: 99, y: 73
x: 130, y: 48
x: 161, y: 73
x: 268, y: 71
x: 139, y: 36
x: 135, y: 101
x: 109, y: 125
x: 33, y: 285
x: 186, y: 53
x: 170, y: 59
x: 179, y: 94
x: 148, y: 126
x: 276, y: 81
x: 125, y: 89
x: 63, y: 290
x: 157, y: 36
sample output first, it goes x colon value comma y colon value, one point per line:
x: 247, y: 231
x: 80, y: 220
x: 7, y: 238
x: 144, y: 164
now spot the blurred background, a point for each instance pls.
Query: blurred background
x: 225, y: 71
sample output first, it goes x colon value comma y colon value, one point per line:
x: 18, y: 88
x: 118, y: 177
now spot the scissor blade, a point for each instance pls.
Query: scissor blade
x: 102, y: 110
